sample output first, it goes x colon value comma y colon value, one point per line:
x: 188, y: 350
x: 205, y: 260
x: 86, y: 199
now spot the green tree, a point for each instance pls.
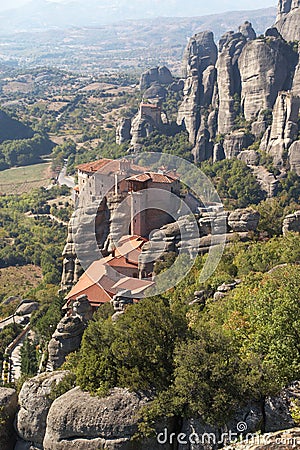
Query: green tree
x: 29, y: 363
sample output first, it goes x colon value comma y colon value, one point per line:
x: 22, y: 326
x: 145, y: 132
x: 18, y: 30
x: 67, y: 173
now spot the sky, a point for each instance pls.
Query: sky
x: 213, y: 6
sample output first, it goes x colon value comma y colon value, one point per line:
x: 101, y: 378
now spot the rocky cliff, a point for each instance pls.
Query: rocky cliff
x: 245, y: 93
x: 75, y: 419
x: 288, y: 19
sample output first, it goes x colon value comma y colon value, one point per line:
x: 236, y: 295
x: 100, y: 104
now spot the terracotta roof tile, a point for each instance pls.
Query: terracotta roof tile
x: 154, y: 177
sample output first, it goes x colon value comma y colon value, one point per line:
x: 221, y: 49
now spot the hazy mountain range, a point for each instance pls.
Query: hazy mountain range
x: 43, y: 14
x: 57, y: 35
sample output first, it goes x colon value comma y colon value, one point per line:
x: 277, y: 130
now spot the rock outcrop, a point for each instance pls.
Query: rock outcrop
x: 288, y: 19
x: 235, y: 142
x: 235, y: 90
x: 198, y: 68
x: 148, y: 119
x: 68, y: 334
x: 242, y: 220
x: 284, y: 128
x: 71, y: 266
x: 8, y: 409
x: 291, y: 223
x: 294, y: 157
x: 229, y: 79
x: 123, y: 131
x: 160, y: 75
x: 268, y: 182
x: 265, y: 65
x: 79, y: 420
x: 35, y: 401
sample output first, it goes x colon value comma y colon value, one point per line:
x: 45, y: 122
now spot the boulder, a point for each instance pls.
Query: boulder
x: 218, y: 153
x: 27, y: 308
x: 247, y: 31
x: 35, y: 401
x: 77, y: 420
x: 8, y: 409
x: 243, y: 220
x: 291, y: 223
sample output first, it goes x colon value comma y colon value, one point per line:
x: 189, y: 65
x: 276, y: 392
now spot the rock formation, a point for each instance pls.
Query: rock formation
x: 123, y: 131
x: 265, y: 65
x: 71, y: 267
x: 231, y: 94
x: 281, y: 440
x: 160, y: 75
x: 235, y: 142
x: 243, y: 220
x: 8, y: 409
x: 68, y: 334
x: 229, y: 79
x: 35, y: 402
x: 291, y: 223
x: 288, y: 19
x: 268, y: 182
x: 294, y: 157
x: 79, y: 420
x: 284, y: 128
x: 198, y: 68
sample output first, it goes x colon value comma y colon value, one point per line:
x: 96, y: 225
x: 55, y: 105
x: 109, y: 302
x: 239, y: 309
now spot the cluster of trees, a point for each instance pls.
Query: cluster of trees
x: 234, y: 182
x: 177, y: 144
x: 24, y: 151
x: 36, y: 240
x: 204, y: 360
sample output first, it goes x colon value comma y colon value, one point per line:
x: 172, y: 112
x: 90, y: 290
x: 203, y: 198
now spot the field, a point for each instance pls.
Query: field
x: 23, y: 179
x: 17, y: 281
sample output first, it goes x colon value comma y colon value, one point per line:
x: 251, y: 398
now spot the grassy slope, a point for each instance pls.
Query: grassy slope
x: 24, y: 179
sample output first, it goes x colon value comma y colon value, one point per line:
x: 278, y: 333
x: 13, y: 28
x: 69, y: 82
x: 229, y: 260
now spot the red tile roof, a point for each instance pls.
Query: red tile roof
x: 94, y: 166
x: 154, y: 177
x: 107, y: 166
x: 103, y: 279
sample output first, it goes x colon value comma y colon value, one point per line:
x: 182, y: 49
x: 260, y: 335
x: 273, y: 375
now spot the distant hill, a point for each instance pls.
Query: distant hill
x: 42, y: 14
x: 126, y: 45
x: 11, y: 129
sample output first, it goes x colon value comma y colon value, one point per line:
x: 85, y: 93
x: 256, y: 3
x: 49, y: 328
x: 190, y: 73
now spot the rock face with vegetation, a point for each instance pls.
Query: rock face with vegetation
x: 78, y: 420
x: 8, y: 409
x: 229, y: 96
